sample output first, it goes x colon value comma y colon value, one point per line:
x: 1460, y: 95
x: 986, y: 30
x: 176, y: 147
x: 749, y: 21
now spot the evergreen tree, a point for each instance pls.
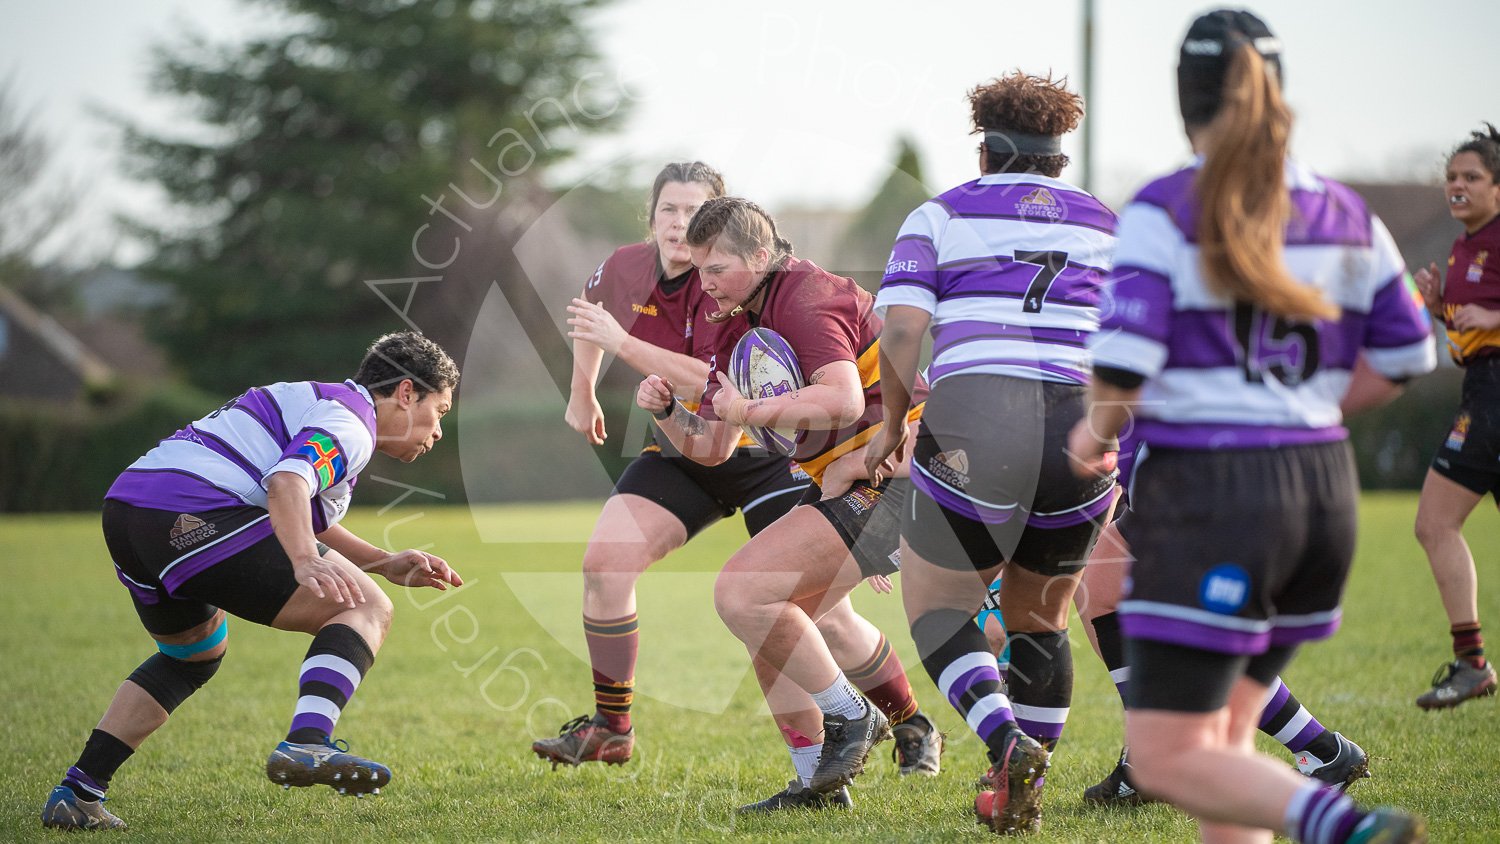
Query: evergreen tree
x: 863, y: 250
x: 321, y: 151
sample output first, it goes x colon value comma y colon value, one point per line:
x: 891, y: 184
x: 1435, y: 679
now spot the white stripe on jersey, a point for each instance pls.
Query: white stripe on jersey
x: 1015, y: 350
x: 964, y: 239
x: 1220, y: 395
x: 199, y: 460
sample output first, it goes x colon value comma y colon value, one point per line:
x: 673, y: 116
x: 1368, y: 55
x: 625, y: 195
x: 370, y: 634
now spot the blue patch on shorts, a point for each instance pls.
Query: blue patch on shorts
x: 1225, y: 589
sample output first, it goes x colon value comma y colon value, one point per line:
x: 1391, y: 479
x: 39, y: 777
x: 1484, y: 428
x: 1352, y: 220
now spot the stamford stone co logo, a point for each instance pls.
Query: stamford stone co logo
x: 188, y: 531
x: 950, y: 467
x: 1039, y: 203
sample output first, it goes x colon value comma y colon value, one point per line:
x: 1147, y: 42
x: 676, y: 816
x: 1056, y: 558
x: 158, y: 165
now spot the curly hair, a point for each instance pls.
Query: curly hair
x: 393, y: 358
x: 1486, y: 145
x: 1032, y: 105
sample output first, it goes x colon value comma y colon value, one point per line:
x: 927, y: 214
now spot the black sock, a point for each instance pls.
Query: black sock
x: 103, y: 754
x: 1041, y: 683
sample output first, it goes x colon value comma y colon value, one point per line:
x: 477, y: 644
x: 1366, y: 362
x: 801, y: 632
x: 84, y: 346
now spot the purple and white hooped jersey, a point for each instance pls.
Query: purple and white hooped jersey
x: 1010, y: 267
x: 324, y: 433
x: 1227, y: 375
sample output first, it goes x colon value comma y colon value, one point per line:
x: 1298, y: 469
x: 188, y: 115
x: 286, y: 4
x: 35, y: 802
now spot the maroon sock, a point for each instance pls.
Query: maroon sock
x: 1468, y: 644
x: 613, y: 644
x: 882, y: 679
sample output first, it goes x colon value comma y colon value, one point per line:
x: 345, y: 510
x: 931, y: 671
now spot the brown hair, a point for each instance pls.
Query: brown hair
x: 392, y: 358
x: 1245, y: 203
x: 1486, y: 145
x: 740, y: 227
x: 687, y: 172
x: 1032, y: 105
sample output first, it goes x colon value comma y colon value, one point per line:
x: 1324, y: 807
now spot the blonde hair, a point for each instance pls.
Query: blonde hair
x: 1244, y: 200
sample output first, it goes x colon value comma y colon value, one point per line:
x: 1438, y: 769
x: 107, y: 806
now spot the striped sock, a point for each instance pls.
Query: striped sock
x: 1285, y: 719
x: 1468, y: 644
x: 613, y: 645
x: 1041, y: 684
x: 1320, y: 815
x: 1112, y: 650
x: 336, y: 662
x: 882, y: 679
x: 103, y: 754
x: 957, y: 657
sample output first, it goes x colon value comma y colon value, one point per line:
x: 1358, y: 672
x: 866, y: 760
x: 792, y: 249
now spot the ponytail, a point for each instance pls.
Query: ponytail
x: 1245, y: 203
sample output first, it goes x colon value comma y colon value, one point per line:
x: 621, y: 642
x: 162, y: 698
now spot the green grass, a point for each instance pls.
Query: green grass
x: 468, y: 679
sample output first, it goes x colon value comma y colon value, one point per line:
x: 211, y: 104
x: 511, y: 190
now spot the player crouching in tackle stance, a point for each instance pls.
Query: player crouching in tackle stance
x: 237, y: 514
x: 772, y: 591
x: 1245, y: 289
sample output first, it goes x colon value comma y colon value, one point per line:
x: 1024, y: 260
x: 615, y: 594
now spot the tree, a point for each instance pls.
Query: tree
x: 351, y: 146
x: 862, y: 252
x: 30, y: 209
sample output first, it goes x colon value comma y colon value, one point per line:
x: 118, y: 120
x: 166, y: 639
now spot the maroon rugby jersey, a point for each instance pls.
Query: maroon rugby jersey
x: 1473, y: 279
x: 628, y: 285
x: 824, y: 318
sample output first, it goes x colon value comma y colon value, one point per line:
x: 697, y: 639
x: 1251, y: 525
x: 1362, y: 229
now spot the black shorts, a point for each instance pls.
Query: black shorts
x: 994, y: 480
x: 1180, y: 679
x: 1470, y: 456
x: 868, y: 519
x: 159, y: 556
x: 762, y: 486
x: 1237, y: 552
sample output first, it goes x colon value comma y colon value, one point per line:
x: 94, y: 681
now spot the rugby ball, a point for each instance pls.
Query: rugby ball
x: 763, y: 365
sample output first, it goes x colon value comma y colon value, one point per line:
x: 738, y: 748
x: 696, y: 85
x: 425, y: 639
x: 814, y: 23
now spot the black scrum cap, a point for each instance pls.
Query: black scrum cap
x: 1203, y: 61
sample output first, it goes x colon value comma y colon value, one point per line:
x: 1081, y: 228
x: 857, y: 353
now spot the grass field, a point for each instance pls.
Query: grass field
x: 469, y: 678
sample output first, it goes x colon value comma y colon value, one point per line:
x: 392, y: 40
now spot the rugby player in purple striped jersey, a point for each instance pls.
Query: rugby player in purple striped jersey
x: 238, y: 514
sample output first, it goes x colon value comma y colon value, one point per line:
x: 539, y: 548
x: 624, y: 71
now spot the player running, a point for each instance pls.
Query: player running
x: 1005, y: 270
x: 238, y: 514
x: 1467, y: 466
x: 774, y: 589
x: 1244, y: 290
x: 646, y: 306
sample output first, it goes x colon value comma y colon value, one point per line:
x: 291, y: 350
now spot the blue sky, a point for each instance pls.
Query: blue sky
x: 801, y: 103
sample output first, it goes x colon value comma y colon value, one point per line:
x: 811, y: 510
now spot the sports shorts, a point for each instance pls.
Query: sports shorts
x: 994, y: 482
x: 167, y: 562
x: 868, y: 519
x: 1237, y: 552
x: 1470, y: 455
x: 762, y: 486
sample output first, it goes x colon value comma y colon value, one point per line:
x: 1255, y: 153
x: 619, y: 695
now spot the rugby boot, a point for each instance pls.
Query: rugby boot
x: 586, y: 739
x: 330, y: 764
x: 1118, y: 790
x: 919, y: 746
x: 65, y: 811
x: 1343, y: 770
x: 1021, y: 773
x: 846, y: 746
x: 1463, y: 681
x: 798, y: 796
x: 1389, y: 826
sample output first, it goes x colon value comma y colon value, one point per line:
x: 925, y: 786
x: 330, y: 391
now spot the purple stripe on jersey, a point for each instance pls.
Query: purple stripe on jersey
x: 348, y: 396
x: 316, y: 720
x: 1273, y: 707
x: 170, y: 489
x: 1004, y: 277
x: 1395, y: 320
x: 1139, y: 301
x: 319, y: 518
x: 144, y: 594
x: 226, y: 451
x: 951, y: 334
x: 1089, y: 513
x: 196, y: 563
x: 912, y: 261
x: 1040, y: 730
x: 1209, y: 436
x: 1336, y: 216
x: 1207, y: 340
x: 276, y: 413
x: 1284, y: 634
x: 1075, y: 376
x: 258, y: 405
x: 994, y: 721
x: 330, y: 677
x: 1192, y: 634
x: 1031, y: 202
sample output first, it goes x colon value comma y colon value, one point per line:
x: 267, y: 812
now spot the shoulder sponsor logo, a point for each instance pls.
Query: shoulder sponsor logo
x: 1225, y: 589
x: 1039, y: 203
x: 950, y: 467
x: 648, y: 310
x: 188, y: 531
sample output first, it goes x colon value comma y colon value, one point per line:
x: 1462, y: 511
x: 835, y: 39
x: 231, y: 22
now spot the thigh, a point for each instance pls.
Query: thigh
x: 800, y: 558
x: 644, y: 524
x: 927, y: 586
x: 141, y: 544
x: 667, y: 483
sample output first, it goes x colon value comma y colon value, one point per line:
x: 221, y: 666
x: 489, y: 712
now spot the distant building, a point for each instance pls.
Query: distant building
x: 42, y: 360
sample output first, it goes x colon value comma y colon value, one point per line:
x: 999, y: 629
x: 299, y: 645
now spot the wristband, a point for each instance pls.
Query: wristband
x: 665, y: 414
